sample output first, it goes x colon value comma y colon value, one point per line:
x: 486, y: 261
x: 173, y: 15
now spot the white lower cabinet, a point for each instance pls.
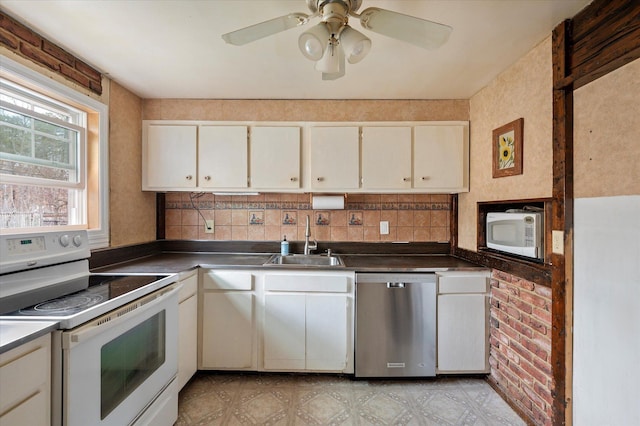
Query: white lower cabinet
x: 188, y: 328
x: 227, y: 320
x: 463, y: 322
x: 25, y: 384
x: 308, y: 322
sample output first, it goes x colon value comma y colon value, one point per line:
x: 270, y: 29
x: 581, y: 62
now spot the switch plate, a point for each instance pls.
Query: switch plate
x: 208, y: 226
x: 384, y: 227
x: 557, y: 244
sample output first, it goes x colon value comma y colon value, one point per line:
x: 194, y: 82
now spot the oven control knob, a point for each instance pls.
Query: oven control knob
x: 77, y: 240
x: 64, y: 240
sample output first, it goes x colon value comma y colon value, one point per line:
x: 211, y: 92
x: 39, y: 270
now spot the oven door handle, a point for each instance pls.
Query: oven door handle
x: 117, y: 316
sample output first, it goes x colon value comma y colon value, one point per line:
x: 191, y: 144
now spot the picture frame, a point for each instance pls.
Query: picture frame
x: 507, y: 149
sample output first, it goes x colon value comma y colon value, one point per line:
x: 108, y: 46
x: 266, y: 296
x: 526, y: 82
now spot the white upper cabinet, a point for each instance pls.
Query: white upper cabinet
x: 223, y: 157
x: 386, y: 158
x: 441, y: 158
x: 169, y: 157
x: 334, y: 158
x: 275, y: 157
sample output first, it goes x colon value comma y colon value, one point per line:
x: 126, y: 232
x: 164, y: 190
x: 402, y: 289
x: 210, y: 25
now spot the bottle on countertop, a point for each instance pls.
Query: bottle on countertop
x: 284, y: 247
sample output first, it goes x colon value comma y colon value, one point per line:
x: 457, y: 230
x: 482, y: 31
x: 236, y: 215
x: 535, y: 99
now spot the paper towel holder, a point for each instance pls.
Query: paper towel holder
x: 327, y: 201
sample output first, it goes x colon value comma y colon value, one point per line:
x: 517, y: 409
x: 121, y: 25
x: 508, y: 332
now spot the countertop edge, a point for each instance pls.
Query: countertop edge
x: 11, y: 337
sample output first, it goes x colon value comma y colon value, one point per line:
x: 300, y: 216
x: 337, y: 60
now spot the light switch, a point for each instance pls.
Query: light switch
x: 384, y: 227
x: 557, y: 245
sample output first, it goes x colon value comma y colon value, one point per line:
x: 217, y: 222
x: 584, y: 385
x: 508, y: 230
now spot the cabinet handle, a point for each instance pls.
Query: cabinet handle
x: 294, y: 179
x: 406, y: 179
x: 207, y: 178
x: 189, y: 177
x: 320, y: 179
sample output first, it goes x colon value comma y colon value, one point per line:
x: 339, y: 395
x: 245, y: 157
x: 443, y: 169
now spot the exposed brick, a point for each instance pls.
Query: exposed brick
x: 522, y: 306
x: 543, y: 393
x: 74, y: 75
x: 535, y: 398
x: 512, y: 290
x: 522, y: 283
x: 502, y: 337
x: 537, y: 325
x: 39, y: 56
x: 543, y: 291
x: 9, y: 40
x: 499, y: 294
x: 522, y: 329
x: 493, y: 362
x: 512, y: 356
x: 509, y: 331
x: 19, y: 30
x: 514, y: 312
x: 535, y: 300
x: 87, y: 70
x: 534, y: 372
x: 542, y: 314
x: 502, y: 276
x: 521, y: 350
x: 535, y: 349
x: 500, y: 357
x: 510, y: 376
x: 58, y: 53
x: 494, y: 282
x: 543, y: 366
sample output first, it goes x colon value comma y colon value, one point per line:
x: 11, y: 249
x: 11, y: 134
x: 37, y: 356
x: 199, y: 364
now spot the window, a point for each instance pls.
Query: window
x: 52, y: 156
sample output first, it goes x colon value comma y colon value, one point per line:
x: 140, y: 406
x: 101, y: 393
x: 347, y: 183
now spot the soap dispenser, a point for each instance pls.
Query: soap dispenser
x: 284, y: 247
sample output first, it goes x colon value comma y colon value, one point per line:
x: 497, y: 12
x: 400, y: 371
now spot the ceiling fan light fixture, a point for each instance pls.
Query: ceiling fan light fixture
x: 313, y: 42
x: 355, y: 44
x: 330, y: 61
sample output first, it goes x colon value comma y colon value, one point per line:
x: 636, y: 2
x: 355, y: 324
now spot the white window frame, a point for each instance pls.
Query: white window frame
x: 12, y: 70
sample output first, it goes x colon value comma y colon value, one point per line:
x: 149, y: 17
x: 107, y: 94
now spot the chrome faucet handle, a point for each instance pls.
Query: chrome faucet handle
x: 328, y: 252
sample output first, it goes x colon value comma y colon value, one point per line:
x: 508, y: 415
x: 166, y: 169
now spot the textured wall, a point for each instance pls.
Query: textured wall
x: 607, y: 135
x: 305, y: 110
x: 132, y: 212
x: 523, y: 90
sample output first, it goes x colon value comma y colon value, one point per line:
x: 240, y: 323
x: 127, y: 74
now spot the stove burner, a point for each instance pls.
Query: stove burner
x: 67, y: 303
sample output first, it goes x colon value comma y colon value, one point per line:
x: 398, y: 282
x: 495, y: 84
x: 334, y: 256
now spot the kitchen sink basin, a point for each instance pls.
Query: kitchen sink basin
x: 302, y: 260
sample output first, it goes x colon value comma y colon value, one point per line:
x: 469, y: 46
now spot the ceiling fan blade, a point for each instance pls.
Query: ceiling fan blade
x: 265, y: 29
x: 417, y: 31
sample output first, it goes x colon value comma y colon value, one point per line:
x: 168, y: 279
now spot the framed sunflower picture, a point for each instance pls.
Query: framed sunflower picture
x: 507, y: 149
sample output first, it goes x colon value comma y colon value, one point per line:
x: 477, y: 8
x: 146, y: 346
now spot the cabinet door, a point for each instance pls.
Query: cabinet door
x: 441, y: 159
x: 275, y: 157
x: 284, y: 332
x: 228, y: 330
x: 170, y: 157
x: 335, y: 158
x: 327, y: 332
x: 188, y: 327
x: 223, y: 157
x: 386, y: 157
x: 462, y: 333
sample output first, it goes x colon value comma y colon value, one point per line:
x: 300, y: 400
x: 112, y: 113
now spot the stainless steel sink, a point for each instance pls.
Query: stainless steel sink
x: 302, y: 260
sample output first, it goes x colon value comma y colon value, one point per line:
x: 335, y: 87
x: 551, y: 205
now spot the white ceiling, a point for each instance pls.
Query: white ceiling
x: 173, y: 49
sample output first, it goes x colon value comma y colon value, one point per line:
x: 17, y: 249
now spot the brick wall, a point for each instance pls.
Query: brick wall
x: 520, y: 345
x: 26, y: 43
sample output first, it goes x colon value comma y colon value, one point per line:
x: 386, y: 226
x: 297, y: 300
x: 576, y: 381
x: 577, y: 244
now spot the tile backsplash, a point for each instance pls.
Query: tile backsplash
x: 269, y: 217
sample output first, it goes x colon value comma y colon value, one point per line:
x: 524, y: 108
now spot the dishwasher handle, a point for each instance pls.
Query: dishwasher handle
x: 395, y: 285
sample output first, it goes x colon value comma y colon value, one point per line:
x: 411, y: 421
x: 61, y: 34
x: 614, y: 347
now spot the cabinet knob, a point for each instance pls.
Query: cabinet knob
x: 189, y: 177
x: 406, y: 179
x: 207, y: 178
x: 294, y: 179
x: 320, y: 179
x: 424, y: 178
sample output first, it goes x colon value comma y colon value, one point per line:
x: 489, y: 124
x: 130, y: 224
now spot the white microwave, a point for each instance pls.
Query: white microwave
x: 520, y: 233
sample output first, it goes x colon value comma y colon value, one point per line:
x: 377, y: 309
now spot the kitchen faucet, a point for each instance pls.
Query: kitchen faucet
x: 307, y: 233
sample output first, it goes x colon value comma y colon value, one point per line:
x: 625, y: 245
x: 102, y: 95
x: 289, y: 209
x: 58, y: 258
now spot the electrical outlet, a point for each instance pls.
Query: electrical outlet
x: 208, y: 226
x: 384, y: 227
x: 557, y: 243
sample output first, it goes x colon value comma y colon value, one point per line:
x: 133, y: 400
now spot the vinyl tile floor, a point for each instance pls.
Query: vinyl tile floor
x: 214, y: 398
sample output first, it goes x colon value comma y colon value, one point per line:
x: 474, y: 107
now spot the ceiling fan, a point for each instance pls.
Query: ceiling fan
x: 332, y: 40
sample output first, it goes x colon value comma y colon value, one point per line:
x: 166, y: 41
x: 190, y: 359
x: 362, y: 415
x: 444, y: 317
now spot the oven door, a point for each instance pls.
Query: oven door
x: 121, y: 364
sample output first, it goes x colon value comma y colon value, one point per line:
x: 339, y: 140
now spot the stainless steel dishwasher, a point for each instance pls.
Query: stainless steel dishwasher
x: 395, y: 325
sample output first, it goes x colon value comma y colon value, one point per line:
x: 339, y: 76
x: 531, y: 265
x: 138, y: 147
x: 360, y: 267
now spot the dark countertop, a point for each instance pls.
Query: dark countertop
x: 174, y: 262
